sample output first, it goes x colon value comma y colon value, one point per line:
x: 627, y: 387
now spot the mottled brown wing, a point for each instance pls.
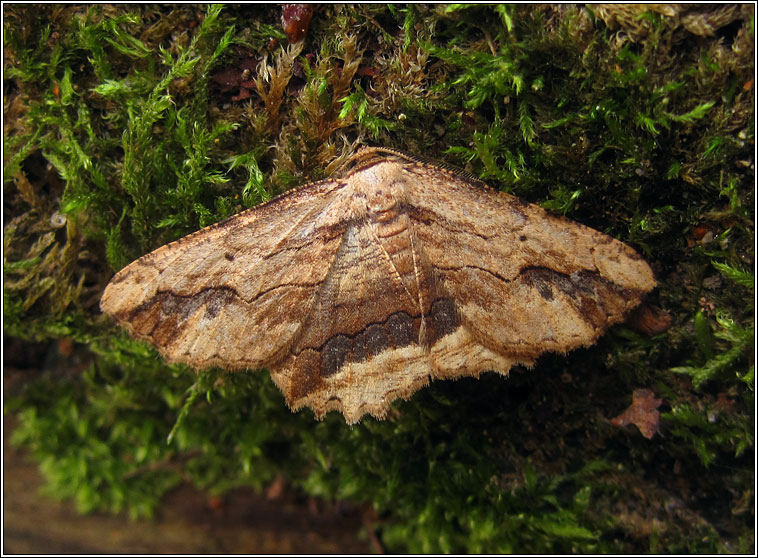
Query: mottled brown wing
x: 359, y: 348
x: 234, y: 294
x: 523, y: 281
x: 357, y: 290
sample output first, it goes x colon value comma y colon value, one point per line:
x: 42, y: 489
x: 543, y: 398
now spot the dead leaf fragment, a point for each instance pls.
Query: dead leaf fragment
x: 65, y: 346
x: 295, y: 20
x: 643, y: 413
x: 648, y: 319
x: 238, y: 79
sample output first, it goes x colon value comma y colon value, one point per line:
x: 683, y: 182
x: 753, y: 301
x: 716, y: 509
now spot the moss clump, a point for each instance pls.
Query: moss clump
x: 130, y: 126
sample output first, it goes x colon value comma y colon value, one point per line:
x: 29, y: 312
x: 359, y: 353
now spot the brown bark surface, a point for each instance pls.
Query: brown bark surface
x: 188, y: 521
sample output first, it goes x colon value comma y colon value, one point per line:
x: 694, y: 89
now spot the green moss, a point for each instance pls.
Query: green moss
x: 123, y: 133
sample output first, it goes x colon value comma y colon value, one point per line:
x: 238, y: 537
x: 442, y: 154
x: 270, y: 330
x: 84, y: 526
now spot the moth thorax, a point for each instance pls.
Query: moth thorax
x: 383, y: 205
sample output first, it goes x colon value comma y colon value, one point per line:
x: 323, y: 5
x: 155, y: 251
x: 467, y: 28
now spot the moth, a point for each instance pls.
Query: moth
x: 360, y: 289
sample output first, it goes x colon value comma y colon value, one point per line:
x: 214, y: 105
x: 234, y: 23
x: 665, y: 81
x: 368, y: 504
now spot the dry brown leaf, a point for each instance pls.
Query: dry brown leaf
x: 643, y: 413
x: 295, y: 20
x: 648, y: 319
